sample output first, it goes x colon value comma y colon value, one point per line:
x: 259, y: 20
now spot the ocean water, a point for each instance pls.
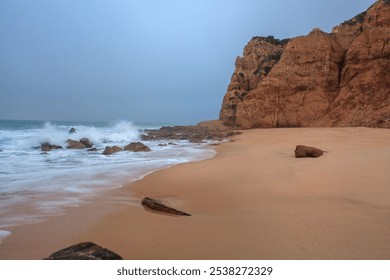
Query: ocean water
x: 34, y: 185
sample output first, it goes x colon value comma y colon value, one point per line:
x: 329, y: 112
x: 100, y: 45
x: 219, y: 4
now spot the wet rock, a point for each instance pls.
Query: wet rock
x: 84, y: 251
x: 197, y: 138
x: 72, y: 130
x: 93, y: 150
x: 156, y: 205
x: 306, y: 151
x: 47, y: 147
x: 137, y: 147
x: 111, y: 149
x: 72, y: 144
x: 86, y: 142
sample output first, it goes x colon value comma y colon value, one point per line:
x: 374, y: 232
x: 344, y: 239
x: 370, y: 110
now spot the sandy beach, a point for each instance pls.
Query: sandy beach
x: 253, y: 200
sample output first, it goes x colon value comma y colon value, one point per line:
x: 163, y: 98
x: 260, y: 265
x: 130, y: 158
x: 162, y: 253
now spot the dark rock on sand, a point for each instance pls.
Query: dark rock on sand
x: 137, y: 147
x: 86, y: 142
x: 84, y: 251
x: 111, y: 149
x: 72, y: 144
x: 46, y: 147
x: 156, y: 205
x: 72, y: 130
x: 306, y: 151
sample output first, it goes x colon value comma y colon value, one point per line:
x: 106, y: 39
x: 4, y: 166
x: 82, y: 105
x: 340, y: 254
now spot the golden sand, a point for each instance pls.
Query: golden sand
x: 253, y: 200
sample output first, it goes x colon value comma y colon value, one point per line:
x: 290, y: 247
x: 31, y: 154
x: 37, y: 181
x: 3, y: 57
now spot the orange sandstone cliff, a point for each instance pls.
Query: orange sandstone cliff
x: 321, y: 79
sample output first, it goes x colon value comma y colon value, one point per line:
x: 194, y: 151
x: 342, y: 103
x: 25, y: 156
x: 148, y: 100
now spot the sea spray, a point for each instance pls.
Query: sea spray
x: 34, y: 185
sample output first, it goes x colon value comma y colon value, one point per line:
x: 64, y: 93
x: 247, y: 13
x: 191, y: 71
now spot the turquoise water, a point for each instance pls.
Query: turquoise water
x: 34, y: 185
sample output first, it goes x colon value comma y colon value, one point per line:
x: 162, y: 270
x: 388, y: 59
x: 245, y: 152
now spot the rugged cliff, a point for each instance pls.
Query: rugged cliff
x: 336, y: 79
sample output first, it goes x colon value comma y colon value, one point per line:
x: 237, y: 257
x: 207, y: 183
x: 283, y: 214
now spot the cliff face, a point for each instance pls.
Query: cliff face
x: 336, y: 79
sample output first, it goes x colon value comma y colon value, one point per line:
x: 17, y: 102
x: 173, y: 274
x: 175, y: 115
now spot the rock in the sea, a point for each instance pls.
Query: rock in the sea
x: 307, y: 151
x: 156, y: 205
x: 137, y: 147
x: 111, y: 149
x: 46, y: 147
x: 72, y: 130
x: 72, y: 144
x: 93, y: 150
x: 84, y: 251
x: 86, y: 142
x: 321, y: 79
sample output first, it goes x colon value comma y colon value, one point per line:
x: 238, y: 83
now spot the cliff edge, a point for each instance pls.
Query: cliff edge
x: 321, y: 79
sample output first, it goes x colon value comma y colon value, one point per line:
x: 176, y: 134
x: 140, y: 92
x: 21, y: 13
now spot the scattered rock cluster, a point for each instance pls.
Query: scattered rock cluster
x: 208, y: 130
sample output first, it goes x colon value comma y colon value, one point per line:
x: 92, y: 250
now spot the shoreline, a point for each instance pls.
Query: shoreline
x: 253, y: 200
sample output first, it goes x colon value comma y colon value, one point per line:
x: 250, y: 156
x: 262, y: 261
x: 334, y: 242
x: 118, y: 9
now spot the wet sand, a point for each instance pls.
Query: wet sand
x: 254, y: 200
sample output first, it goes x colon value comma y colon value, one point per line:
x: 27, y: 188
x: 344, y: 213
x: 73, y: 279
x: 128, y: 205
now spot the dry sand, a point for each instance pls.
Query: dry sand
x: 254, y: 200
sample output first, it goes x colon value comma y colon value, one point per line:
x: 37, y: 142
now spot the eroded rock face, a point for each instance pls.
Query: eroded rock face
x: 136, y: 147
x: 84, y: 251
x: 260, y: 55
x: 336, y: 79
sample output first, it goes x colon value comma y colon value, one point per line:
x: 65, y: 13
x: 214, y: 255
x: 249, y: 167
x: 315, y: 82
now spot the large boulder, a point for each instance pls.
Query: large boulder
x: 72, y: 144
x: 137, y: 147
x: 157, y: 205
x: 111, y: 149
x: 302, y: 151
x: 86, y: 142
x: 84, y: 251
x: 46, y: 147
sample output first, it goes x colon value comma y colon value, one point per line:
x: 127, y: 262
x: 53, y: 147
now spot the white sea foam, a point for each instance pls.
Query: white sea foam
x: 45, y: 184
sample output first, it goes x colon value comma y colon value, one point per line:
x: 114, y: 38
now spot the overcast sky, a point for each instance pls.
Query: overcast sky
x: 167, y: 61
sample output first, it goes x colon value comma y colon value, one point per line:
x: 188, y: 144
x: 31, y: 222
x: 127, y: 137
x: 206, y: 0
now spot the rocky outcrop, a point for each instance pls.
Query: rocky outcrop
x: 335, y: 79
x: 136, y: 147
x: 207, y: 130
x: 84, y: 251
x: 156, y: 205
x: 302, y: 151
x: 260, y: 55
x: 111, y: 150
x: 46, y: 147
